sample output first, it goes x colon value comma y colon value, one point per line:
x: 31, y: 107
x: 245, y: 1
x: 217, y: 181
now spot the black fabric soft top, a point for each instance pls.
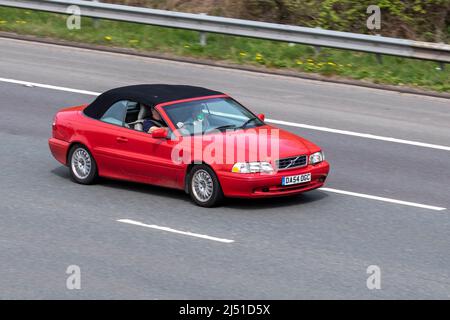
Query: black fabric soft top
x: 148, y: 94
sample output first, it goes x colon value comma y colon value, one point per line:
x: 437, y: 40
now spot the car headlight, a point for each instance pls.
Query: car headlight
x: 316, y: 158
x: 252, y: 167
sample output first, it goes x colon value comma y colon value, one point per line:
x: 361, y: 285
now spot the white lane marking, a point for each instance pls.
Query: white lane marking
x: 47, y: 86
x: 361, y: 135
x: 367, y: 196
x: 286, y: 123
x: 137, y: 223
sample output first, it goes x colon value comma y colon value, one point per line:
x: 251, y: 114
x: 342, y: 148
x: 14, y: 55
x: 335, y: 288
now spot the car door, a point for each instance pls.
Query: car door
x: 149, y: 160
x: 125, y: 153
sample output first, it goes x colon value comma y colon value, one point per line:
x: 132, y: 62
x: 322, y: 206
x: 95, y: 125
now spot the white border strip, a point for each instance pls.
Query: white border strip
x: 285, y: 123
x: 152, y: 226
x: 366, y: 196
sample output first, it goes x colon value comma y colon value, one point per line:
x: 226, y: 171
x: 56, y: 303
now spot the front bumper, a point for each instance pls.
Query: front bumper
x: 240, y: 185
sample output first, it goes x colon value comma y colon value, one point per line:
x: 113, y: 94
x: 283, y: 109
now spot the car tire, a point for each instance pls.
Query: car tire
x: 204, y: 187
x: 82, y: 165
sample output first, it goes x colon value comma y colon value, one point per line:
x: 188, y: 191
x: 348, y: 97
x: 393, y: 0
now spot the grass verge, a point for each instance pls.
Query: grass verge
x: 237, y: 50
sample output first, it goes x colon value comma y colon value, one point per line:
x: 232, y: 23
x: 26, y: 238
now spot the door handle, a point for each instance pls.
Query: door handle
x: 121, y: 139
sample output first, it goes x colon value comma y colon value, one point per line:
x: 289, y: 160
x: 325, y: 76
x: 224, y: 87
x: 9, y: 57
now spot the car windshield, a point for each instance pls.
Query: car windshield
x: 203, y: 116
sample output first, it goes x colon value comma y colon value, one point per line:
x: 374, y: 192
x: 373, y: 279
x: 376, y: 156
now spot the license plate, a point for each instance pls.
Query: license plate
x: 301, y: 178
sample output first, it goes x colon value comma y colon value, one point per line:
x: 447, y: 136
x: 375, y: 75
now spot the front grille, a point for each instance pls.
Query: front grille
x: 292, y: 162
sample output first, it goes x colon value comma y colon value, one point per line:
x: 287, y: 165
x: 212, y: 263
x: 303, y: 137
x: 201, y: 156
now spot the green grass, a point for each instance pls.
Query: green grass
x: 240, y: 50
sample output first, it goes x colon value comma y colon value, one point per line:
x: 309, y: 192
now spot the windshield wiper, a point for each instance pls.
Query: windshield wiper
x: 247, y: 122
x: 228, y: 126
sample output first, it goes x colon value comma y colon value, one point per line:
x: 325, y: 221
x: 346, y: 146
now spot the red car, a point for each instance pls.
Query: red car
x: 184, y: 137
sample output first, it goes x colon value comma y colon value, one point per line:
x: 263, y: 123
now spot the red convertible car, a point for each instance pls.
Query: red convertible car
x: 184, y: 137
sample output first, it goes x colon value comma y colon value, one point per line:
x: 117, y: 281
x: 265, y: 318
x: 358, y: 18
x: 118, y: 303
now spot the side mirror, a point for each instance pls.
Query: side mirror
x: 159, y: 133
x: 261, y: 117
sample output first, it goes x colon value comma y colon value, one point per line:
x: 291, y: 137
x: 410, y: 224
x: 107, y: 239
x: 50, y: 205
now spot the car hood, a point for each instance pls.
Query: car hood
x: 250, y: 144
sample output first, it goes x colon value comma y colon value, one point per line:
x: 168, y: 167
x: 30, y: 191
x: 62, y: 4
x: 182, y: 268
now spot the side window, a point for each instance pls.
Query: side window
x: 116, y: 113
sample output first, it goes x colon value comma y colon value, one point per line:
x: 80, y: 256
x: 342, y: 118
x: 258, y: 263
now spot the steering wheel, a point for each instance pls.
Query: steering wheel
x: 204, y: 123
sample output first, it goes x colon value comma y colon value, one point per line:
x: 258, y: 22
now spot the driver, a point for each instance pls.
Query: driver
x: 153, y: 123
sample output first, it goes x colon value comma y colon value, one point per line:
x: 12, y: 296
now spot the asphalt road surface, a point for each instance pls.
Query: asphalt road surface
x: 316, y: 245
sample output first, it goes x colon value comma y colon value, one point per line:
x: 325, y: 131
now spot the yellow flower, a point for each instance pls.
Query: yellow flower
x: 3, y: 21
x: 21, y: 21
x: 310, y: 60
x: 331, y: 63
x: 243, y: 54
x: 187, y: 46
x: 299, y: 62
x: 258, y: 56
x: 108, y: 38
